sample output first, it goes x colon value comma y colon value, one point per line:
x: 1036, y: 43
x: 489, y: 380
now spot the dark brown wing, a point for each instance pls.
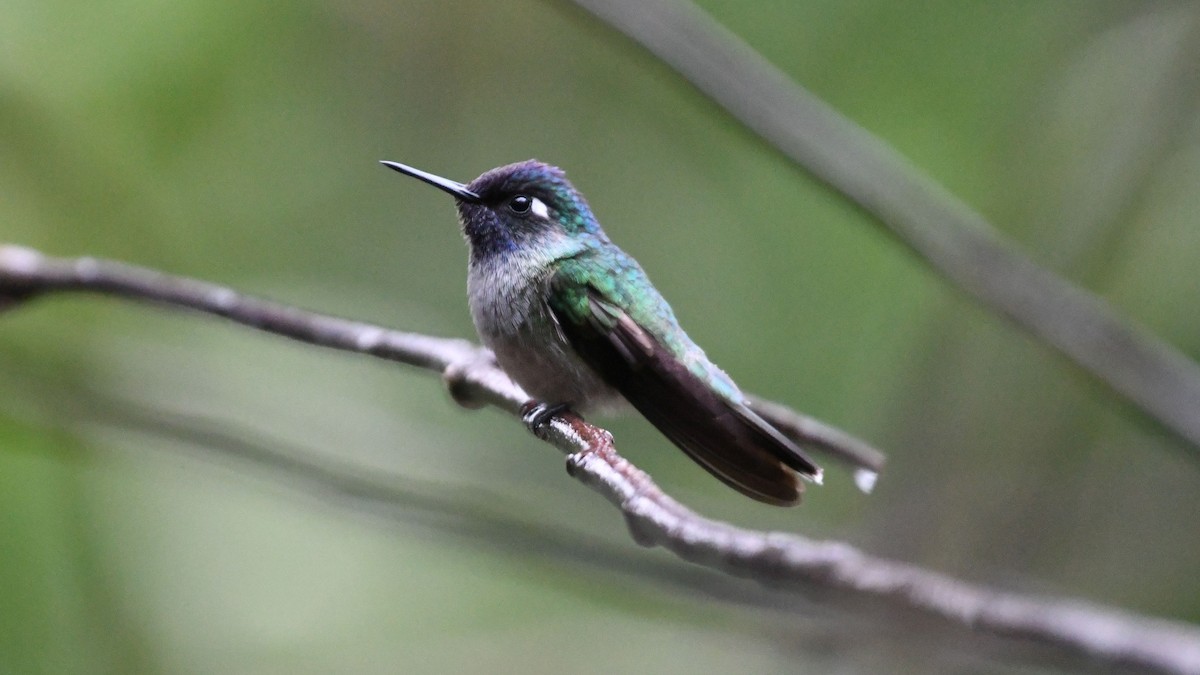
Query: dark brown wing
x: 729, y: 440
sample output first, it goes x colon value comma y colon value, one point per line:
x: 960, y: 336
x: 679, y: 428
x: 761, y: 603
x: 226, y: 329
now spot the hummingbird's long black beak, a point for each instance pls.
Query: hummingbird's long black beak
x: 459, y: 190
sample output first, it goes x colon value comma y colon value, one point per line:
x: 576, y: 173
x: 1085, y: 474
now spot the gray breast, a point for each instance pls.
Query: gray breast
x: 513, y: 320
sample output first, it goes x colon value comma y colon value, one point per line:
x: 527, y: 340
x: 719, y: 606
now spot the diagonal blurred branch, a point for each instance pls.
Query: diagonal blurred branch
x: 951, y: 237
x: 654, y: 519
x: 1098, y: 210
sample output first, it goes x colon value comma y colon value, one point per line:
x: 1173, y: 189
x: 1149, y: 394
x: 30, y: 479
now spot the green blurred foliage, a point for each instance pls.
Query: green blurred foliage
x: 238, y: 142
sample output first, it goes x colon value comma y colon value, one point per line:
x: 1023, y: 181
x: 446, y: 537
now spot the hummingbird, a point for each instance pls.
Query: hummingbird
x: 575, y: 321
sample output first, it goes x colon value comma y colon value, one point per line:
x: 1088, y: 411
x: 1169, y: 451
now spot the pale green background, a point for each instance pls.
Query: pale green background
x: 237, y: 142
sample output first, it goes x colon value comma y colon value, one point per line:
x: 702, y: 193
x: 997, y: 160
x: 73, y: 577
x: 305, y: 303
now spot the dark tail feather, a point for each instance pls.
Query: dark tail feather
x: 727, y: 439
x: 782, y: 446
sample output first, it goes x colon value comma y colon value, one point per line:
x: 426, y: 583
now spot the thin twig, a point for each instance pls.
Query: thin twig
x: 951, y: 237
x: 814, y: 433
x: 654, y: 519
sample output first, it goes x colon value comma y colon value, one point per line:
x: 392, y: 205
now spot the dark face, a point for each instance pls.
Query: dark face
x: 521, y: 205
x: 526, y: 205
x: 507, y: 217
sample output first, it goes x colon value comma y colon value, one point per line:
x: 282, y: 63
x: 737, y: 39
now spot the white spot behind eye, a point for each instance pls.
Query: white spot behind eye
x: 539, y: 208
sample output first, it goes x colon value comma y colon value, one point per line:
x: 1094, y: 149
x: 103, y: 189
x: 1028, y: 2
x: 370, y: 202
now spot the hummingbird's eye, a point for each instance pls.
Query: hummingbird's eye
x: 520, y: 204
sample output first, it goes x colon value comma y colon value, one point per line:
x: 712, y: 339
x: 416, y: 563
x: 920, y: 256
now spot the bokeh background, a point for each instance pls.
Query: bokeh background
x: 237, y: 142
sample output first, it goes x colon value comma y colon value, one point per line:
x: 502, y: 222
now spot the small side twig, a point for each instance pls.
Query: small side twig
x: 780, y: 559
x: 814, y: 433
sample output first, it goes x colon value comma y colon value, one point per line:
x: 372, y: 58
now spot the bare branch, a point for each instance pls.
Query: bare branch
x: 654, y: 519
x: 25, y: 274
x: 791, y: 561
x: 951, y: 237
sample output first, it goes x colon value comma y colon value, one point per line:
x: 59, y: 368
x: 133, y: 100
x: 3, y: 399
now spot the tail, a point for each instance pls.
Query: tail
x: 726, y: 438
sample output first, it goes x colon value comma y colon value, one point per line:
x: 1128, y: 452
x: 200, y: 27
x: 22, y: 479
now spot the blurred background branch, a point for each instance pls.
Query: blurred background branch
x: 954, y: 239
x: 654, y: 519
x: 238, y: 140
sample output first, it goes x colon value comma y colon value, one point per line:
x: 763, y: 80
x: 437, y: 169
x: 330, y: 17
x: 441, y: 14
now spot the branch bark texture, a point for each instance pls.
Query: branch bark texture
x: 777, y: 559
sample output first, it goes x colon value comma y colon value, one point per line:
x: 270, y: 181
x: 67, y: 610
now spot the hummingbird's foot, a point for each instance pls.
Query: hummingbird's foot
x: 535, y: 414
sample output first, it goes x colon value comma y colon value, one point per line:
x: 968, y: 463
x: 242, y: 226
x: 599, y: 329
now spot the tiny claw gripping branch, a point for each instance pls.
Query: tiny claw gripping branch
x: 535, y: 414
